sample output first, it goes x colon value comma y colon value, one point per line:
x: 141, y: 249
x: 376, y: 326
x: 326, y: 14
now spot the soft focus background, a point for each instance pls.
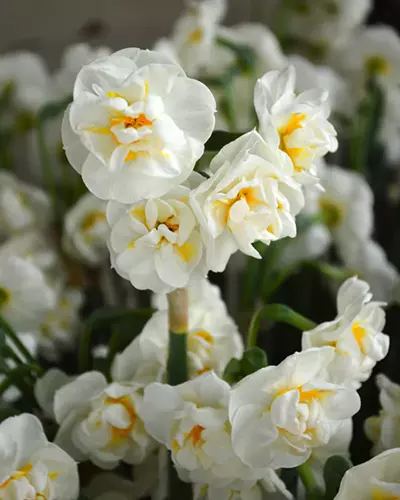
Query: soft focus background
x: 47, y: 26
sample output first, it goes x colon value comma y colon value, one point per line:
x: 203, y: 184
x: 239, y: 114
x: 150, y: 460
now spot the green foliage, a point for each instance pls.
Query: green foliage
x: 334, y: 470
x: 253, y: 359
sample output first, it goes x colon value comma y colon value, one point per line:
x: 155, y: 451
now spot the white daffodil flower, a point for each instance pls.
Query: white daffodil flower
x: 373, y: 51
x: 136, y: 125
x: 31, y: 466
x: 46, y: 388
x: 297, y: 124
x: 25, y: 297
x: 109, y: 486
x: 86, y: 230
x: 191, y: 420
x: 367, y: 259
x: 58, y: 330
x: 324, y: 25
x: 309, y: 75
x: 338, y: 444
x: 346, y: 204
x: 194, y: 35
x: 308, y: 245
x: 101, y: 422
x: 250, y: 196
x: 213, y: 340
x: 355, y: 334
x: 37, y: 248
x: 280, y: 413
x: 28, y: 78
x: 156, y: 244
x: 72, y: 61
x: 271, y: 487
x: 267, y: 55
x: 22, y: 206
x: 384, y: 429
x: 379, y: 478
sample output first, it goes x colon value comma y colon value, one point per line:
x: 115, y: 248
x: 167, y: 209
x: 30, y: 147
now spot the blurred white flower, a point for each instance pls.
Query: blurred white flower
x: 72, y: 61
x: 109, y: 486
x: 38, y: 249
x: 372, y: 51
x: 31, y: 466
x: 268, y: 55
x: 379, y: 478
x: 346, y: 204
x: 136, y: 126
x: 355, y: 333
x: 389, y: 130
x: 249, y: 197
x: 101, y: 422
x: 22, y: 206
x: 194, y: 35
x: 308, y: 245
x: 156, y: 244
x: 191, y: 420
x: 384, y: 429
x: 28, y: 77
x: 309, y: 75
x: 271, y: 487
x: 338, y: 444
x: 59, y: 329
x: 297, y: 124
x: 25, y: 297
x: 324, y: 25
x: 367, y: 259
x: 46, y: 388
x: 86, y: 230
x: 213, y: 340
x: 280, y: 413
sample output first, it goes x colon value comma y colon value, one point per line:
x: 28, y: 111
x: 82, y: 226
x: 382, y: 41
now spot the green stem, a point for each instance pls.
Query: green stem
x: 16, y: 341
x: 307, y: 477
x: 104, y: 317
x: 177, y: 372
x: 277, y: 313
x: 46, y: 166
x: 330, y: 271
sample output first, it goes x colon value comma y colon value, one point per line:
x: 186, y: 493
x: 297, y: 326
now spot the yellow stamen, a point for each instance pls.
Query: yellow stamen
x: 359, y: 333
x: 91, y: 219
x: 377, y: 65
x: 294, y: 123
x: 195, y: 435
x: 17, y: 475
x: 204, y: 335
x: 196, y: 36
x: 119, y: 434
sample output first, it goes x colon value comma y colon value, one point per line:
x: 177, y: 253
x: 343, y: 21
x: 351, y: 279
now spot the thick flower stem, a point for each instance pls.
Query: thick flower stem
x: 177, y: 372
x: 310, y: 484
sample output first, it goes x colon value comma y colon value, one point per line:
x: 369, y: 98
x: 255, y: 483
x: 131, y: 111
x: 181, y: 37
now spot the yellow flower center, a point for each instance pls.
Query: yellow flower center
x: 295, y: 122
x: 5, y: 296
x: 377, y: 65
x: 380, y: 494
x: 91, y: 219
x: 131, y: 122
x: 359, y: 333
x: 202, y: 334
x: 17, y: 475
x: 120, y: 434
x: 196, y: 36
x: 332, y: 213
x: 195, y: 435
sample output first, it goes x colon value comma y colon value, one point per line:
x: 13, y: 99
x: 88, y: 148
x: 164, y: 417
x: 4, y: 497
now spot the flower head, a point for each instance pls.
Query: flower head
x: 136, y: 126
x: 101, y: 422
x: 249, y: 197
x: 25, y: 296
x: 297, y: 124
x: 378, y: 479
x: 31, y: 466
x: 86, y: 230
x: 280, y: 413
x: 356, y: 334
x: 156, y: 244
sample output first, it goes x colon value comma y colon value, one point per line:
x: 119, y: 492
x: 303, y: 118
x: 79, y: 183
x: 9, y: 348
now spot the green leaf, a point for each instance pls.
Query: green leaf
x: 219, y: 139
x: 53, y: 109
x: 334, y: 470
x: 253, y: 359
x: 232, y: 373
